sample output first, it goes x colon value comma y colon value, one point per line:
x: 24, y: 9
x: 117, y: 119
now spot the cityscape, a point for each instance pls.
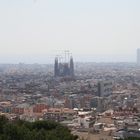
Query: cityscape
x: 96, y: 100
x: 69, y: 70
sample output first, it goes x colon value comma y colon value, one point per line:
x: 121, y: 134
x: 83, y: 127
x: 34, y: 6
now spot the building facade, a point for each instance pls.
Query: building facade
x: 104, y: 88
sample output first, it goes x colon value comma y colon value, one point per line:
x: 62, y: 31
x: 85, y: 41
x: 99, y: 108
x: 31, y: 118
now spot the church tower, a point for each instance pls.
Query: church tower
x: 56, y: 67
x: 71, y: 66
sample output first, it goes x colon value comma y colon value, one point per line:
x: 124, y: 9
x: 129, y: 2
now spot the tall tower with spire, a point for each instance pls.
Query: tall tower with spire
x: 71, y: 67
x: 56, y: 67
x: 64, y: 68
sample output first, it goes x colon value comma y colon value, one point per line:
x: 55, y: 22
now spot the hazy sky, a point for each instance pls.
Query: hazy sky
x: 95, y: 30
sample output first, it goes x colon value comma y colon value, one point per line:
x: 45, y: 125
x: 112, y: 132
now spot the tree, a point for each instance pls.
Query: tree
x: 39, y: 130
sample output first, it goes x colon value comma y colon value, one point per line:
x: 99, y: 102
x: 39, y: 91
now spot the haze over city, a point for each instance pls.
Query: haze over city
x: 95, y: 31
x: 69, y: 69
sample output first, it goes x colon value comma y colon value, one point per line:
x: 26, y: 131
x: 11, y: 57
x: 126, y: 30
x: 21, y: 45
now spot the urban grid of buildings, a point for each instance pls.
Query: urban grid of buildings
x: 95, y: 100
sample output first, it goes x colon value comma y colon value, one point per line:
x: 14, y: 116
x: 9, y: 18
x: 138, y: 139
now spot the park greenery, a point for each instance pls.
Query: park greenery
x: 39, y: 130
x: 132, y: 139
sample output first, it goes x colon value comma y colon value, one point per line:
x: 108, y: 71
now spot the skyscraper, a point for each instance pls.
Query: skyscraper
x: 104, y: 88
x: 138, y: 56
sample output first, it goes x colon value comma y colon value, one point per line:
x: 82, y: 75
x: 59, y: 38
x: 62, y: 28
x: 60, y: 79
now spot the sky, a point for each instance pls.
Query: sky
x: 34, y: 31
